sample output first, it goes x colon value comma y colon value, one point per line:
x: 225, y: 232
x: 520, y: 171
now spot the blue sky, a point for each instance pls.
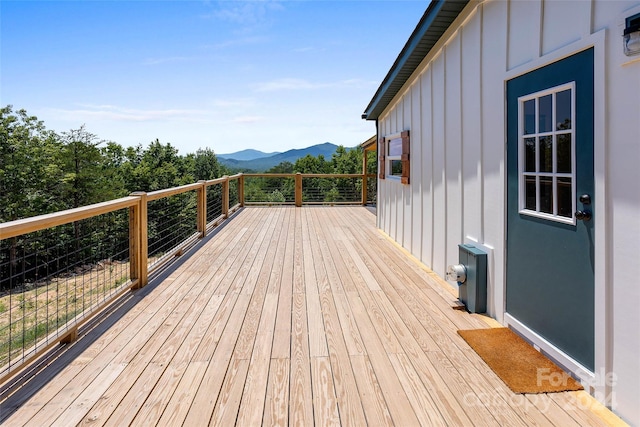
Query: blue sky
x: 227, y: 75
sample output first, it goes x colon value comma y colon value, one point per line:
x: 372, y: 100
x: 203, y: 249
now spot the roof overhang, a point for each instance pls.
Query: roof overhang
x: 433, y: 24
x: 369, y: 144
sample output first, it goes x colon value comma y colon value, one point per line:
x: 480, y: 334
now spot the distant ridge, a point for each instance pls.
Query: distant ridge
x: 264, y: 163
x: 246, y: 155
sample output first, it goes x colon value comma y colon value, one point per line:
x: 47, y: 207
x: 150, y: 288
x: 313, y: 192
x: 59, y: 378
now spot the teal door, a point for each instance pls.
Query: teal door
x: 550, y: 204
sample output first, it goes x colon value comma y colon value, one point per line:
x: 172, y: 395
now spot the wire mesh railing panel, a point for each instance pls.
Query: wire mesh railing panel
x: 269, y: 190
x: 214, y: 202
x: 332, y: 190
x: 234, y: 193
x: 372, y: 190
x: 49, y: 278
x: 171, y: 221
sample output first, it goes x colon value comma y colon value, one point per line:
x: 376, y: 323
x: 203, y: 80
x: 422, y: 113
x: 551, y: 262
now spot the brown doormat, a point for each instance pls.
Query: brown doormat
x: 522, y: 368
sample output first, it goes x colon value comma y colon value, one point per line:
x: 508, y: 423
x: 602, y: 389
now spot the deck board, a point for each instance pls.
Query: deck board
x: 285, y: 316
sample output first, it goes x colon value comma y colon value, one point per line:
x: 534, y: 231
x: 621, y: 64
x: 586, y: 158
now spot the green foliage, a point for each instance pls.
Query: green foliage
x: 310, y: 164
x: 85, y: 180
x: 43, y: 172
x: 276, y: 196
x: 284, y: 167
x: 347, y: 161
x: 333, y: 195
x: 30, y: 170
x: 206, y: 165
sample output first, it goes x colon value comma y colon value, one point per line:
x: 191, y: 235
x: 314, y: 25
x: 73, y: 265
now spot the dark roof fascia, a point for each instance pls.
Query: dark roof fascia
x: 433, y: 24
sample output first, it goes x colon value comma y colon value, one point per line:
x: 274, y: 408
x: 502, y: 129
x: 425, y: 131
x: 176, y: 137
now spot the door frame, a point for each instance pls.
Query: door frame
x: 603, y: 294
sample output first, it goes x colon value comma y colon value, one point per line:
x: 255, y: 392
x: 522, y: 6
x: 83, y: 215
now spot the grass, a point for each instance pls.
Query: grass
x: 31, y: 315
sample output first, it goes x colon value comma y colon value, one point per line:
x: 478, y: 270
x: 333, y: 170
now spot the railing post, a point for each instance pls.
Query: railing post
x: 365, y: 179
x: 241, y: 190
x: 364, y: 189
x: 202, y: 208
x: 225, y: 197
x: 138, y: 241
x: 298, y: 189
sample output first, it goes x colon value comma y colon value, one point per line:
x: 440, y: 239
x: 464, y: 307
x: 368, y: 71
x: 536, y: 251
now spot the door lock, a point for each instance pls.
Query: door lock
x: 585, y: 199
x: 583, y: 215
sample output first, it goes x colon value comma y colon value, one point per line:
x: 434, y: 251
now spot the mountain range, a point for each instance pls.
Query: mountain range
x: 247, y: 155
x: 257, y: 161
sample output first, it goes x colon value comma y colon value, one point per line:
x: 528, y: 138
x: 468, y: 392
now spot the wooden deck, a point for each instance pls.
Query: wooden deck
x: 285, y: 316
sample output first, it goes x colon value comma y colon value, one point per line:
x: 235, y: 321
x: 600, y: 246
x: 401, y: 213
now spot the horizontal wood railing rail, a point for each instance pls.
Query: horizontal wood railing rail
x: 305, y: 175
x: 216, y: 181
x: 331, y: 175
x: 269, y: 175
x: 42, y: 222
x: 168, y: 192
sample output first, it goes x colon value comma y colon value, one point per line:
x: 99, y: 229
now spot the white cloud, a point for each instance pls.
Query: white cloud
x: 88, y: 113
x: 233, y: 102
x: 243, y: 12
x: 248, y: 119
x: 301, y: 84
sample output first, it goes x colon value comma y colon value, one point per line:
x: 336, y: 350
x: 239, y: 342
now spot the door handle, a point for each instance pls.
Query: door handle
x: 583, y: 215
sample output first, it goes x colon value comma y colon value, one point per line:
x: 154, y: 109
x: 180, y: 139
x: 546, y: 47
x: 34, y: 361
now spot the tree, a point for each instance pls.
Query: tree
x: 89, y: 176
x: 29, y: 169
x: 157, y: 168
x: 42, y: 172
x: 29, y: 184
x: 111, y: 170
x: 314, y: 189
x: 206, y: 165
x: 310, y: 164
x: 84, y: 179
x: 282, y: 167
x: 347, y: 161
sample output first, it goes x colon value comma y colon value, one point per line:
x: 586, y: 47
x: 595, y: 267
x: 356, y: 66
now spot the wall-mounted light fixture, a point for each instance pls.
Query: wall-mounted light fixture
x: 631, y: 35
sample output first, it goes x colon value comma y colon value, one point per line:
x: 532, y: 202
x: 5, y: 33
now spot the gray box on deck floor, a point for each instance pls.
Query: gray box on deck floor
x: 473, y: 292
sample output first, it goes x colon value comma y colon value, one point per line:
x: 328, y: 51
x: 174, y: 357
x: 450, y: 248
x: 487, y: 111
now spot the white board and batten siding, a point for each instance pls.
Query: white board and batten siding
x: 454, y: 108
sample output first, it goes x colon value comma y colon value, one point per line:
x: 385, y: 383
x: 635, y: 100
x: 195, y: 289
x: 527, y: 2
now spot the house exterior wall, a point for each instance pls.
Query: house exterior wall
x: 454, y: 108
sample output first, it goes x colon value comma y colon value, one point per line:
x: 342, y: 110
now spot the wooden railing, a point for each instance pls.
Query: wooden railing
x: 300, y: 189
x: 41, y: 306
x: 45, y: 298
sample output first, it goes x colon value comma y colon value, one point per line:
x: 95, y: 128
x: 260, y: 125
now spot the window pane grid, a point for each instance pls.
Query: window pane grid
x: 546, y: 159
x: 393, y: 159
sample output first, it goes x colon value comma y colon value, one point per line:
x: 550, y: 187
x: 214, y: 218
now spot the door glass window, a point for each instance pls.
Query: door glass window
x: 529, y: 117
x: 545, y: 114
x: 547, y: 153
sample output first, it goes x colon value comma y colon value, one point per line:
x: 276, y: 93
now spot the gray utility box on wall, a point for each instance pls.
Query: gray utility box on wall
x: 473, y: 291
